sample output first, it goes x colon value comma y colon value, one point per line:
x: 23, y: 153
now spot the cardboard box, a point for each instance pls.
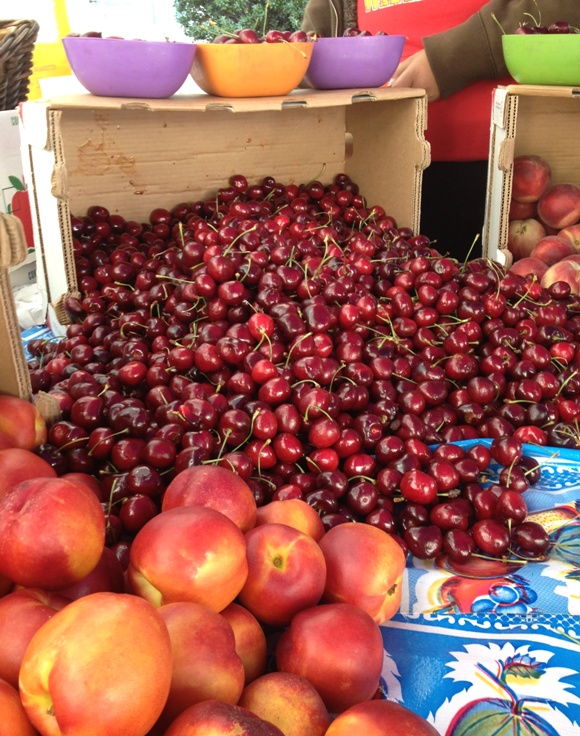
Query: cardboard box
x: 132, y: 156
x: 525, y: 120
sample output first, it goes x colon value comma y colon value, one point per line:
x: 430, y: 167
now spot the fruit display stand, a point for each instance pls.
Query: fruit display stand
x: 527, y: 119
x: 492, y: 642
x: 134, y: 155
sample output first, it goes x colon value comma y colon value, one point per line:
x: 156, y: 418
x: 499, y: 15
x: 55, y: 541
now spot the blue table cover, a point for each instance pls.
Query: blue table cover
x: 493, y: 648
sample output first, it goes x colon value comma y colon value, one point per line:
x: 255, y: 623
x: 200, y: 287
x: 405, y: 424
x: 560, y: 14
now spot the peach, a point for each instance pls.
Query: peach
x: 531, y: 177
x: 190, y: 553
x: 216, y: 487
x: 338, y: 648
x: 286, y: 573
x: 100, y: 665
x: 108, y: 575
x: 567, y: 270
x: 22, y: 613
x: 521, y: 210
x: 6, y: 442
x: 572, y: 233
x: 364, y: 567
x: 206, y: 665
x: 379, y: 717
x: 14, y: 721
x: 559, y: 206
x: 527, y: 266
x: 294, y: 512
x: 213, y: 718
x: 552, y: 248
x: 17, y: 465
x: 22, y: 422
x: 289, y: 702
x: 52, y: 533
x: 523, y: 236
x: 250, y: 640
x: 89, y: 480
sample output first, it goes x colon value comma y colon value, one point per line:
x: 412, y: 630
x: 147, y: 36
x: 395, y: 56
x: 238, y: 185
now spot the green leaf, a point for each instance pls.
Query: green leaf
x: 16, y: 183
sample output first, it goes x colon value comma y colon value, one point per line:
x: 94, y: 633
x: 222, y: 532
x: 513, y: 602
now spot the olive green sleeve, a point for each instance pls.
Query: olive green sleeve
x: 472, y: 51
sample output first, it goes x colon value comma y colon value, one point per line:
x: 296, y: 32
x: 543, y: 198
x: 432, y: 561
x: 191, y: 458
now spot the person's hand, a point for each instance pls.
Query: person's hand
x: 416, y: 72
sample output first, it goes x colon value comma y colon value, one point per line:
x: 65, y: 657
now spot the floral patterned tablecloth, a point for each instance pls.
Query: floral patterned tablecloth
x: 493, y: 648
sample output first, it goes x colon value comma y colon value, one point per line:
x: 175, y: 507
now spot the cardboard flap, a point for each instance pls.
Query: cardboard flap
x: 14, y: 378
x: 13, y: 248
x: 35, y: 123
x: 506, y: 154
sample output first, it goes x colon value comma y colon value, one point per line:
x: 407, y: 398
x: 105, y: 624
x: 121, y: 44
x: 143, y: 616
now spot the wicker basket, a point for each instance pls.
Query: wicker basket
x: 17, y: 38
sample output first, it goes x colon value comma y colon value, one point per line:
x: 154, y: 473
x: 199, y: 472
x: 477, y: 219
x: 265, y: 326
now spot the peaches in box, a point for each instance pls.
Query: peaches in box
x: 529, y: 266
x: 22, y: 613
x: 286, y: 573
x: 523, y: 235
x: 289, y: 702
x: 101, y: 665
x: 189, y: 553
x: 531, y: 177
x: 552, y: 248
x: 567, y: 270
x: 52, y: 533
x: 559, y: 206
x: 206, y: 665
x: 215, y: 487
x: 572, y: 233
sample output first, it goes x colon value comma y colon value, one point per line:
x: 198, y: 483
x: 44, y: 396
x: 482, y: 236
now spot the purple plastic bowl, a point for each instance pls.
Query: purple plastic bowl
x: 118, y: 67
x: 354, y: 61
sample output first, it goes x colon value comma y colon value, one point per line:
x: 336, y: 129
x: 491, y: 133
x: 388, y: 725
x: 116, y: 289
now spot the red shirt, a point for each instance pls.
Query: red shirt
x: 458, y: 127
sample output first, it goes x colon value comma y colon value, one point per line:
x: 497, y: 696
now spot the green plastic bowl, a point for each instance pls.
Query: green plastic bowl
x: 543, y: 58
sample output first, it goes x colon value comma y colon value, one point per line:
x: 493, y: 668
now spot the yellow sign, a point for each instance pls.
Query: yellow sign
x: 49, y: 58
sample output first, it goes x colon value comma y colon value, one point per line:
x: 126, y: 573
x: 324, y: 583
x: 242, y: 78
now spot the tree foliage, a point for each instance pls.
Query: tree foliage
x: 203, y: 22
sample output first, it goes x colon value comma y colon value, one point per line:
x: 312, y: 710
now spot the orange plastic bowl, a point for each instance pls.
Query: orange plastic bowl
x: 250, y: 69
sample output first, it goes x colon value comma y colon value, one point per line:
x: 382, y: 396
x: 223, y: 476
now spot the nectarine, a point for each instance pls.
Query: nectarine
x: 52, y: 533
x: 250, y: 638
x: 530, y: 178
x: 289, y: 702
x: 101, y: 665
x: 206, y: 665
x: 22, y: 613
x: 380, y: 717
x: 189, y: 553
x: 559, y: 206
x: 338, y: 648
x: 22, y: 422
x: 216, y: 487
x: 286, y: 573
x: 212, y: 718
x: 364, y: 567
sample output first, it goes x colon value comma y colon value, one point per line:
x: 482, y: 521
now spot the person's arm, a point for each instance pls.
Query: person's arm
x: 472, y: 51
x: 329, y: 18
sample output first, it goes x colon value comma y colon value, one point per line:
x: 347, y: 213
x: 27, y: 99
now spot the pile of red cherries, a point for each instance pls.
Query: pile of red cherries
x: 300, y: 337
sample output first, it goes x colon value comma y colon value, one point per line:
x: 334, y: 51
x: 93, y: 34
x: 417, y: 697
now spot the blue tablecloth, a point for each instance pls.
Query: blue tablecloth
x: 494, y: 650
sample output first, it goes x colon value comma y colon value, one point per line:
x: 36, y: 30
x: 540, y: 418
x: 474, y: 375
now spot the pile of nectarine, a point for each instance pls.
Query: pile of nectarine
x: 544, y: 223
x: 227, y: 618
